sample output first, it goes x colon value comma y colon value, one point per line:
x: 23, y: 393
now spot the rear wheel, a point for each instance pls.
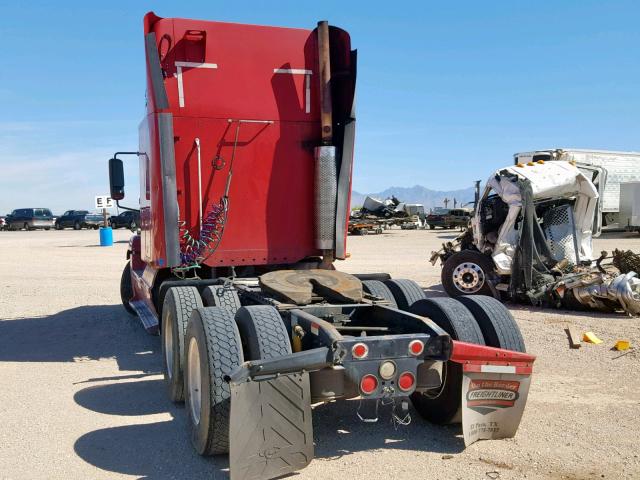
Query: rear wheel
x: 214, y: 350
x: 263, y: 332
x: 178, y: 304
x: 221, y: 296
x: 498, y: 327
x: 443, y: 405
x: 467, y: 273
x: 77, y: 226
x: 379, y: 289
x: 405, y: 292
x: 126, y: 289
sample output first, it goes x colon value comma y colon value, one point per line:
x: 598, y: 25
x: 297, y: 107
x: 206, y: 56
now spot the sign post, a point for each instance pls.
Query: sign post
x: 106, y: 234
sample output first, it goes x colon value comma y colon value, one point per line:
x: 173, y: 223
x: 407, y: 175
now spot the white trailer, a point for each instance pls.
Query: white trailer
x: 617, y: 168
x: 630, y: 206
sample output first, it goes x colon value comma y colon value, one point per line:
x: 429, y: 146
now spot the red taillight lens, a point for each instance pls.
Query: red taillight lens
x: 368, y: 384
x: 359, y: 350
x: 406, y: 381
x: 416, y: 347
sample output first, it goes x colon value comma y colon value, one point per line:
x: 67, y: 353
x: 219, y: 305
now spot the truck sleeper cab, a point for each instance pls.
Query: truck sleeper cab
x: 245, y: 166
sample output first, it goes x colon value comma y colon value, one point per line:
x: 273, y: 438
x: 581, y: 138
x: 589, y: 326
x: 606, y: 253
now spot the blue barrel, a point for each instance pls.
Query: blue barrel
x: 106, y: 237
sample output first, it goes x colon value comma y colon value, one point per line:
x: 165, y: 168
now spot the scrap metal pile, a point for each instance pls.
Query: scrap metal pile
x: 376, y: 215
x: 530, y: 241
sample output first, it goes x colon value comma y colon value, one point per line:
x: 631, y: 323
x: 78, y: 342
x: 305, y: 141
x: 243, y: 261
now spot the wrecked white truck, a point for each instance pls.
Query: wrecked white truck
x: 530, y: 241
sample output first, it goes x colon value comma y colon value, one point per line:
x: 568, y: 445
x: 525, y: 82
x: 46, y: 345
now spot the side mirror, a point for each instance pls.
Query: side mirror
x: 116, y: 178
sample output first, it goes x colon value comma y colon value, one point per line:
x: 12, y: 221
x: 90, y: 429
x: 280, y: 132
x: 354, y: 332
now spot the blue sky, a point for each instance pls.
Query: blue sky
x: 447, y: 91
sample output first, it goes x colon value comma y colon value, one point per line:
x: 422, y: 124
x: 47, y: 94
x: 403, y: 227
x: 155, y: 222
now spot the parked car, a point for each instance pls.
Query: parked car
x: 458, y: 217
x: 128, y: 219
x: 78, y: 219
x: 29, y: 219
x: 437, y: 218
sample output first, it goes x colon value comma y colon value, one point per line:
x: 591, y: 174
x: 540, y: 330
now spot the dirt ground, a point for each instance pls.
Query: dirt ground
x: 81, y: 393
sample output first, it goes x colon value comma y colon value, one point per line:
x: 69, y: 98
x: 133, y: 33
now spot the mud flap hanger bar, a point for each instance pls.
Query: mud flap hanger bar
x: 309, y: 360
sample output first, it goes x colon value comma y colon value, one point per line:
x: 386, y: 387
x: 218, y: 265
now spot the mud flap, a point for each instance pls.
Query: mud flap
x: 270, y: 431
x: 492, y: 403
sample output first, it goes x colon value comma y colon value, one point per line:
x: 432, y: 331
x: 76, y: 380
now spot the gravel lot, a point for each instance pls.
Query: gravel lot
x: 81, y: 395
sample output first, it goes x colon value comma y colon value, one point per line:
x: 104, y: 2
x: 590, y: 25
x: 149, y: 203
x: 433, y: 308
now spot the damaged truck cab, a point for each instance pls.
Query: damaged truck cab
x: 531, y: 240
x: 246, y: 157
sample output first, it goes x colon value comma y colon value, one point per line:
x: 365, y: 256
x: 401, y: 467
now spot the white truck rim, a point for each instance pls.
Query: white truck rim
x: 468, y: 277
x: 194, y: 381
x: 168, y: 345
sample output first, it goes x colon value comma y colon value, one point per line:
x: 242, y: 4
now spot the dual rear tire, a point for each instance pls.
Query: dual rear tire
x: 217, y: 343
x: 202, y: 345
x: 476, y: 319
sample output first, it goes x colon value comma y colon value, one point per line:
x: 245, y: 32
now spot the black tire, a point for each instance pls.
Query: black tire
x: 219, y: 296
x: 379, y: 289
x: 405, y: 292
x: 216, y: 339
x: 498, y: 327
x: 26, y: 226
x: 479, y: 268
x: 263, y: 332
x: 132, y: 225
x: 178, y: 304
x: 47, y: 228
x: 432, y: 227
x: 77, y: 226
x: 58, y: 226
x: 126, y: 289
x: 444, y: 405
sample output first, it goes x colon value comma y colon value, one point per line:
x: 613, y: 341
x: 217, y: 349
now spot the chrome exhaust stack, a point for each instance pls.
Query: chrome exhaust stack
x: 326, y: 181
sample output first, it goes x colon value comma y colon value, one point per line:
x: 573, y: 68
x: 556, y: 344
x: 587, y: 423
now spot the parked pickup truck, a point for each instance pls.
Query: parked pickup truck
x: 129, y: 219
x: 78, y: 219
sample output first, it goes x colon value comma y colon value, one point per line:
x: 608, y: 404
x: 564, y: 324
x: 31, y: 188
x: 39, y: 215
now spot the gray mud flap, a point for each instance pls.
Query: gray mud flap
x: 492, y: 404
x: 270, y: 430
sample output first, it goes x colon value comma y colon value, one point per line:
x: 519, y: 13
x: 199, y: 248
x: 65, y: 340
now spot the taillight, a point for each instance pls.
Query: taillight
x: 359, y: 351
x: 406, y: 381
x: 416, y: 347
x: 368, y: 384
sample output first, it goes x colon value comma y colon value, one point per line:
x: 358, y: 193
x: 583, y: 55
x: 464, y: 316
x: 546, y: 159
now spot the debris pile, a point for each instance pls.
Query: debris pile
x: 376, y: 215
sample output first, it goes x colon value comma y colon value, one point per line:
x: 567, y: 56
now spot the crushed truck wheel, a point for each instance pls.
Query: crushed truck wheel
x: 126, y: 289
x: 443, y: 405
x: 498, y: 327
x: 379, y: 289
x: 178, y: 304
x: 219, y: 296
x: 262, y: 332
x: 214, y: 350
x: 405, y: 292
x: 467, y: 273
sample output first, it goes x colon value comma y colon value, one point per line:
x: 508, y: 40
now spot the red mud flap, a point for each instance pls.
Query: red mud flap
x: 270, y: 431
x: 495, y: 386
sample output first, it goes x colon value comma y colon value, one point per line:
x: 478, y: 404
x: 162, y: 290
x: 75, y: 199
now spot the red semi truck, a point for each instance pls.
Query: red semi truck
x: 246, y: 155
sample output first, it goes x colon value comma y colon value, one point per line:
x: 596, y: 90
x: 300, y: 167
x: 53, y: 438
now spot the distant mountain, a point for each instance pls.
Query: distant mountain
x: 418, y: 194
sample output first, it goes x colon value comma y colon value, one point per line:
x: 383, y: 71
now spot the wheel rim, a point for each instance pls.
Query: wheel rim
x: 194, y: 381
x: 168, y: 345
x: 468, y: 277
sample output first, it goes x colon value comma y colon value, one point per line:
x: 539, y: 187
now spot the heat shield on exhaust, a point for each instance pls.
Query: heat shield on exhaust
x: 326, y: 189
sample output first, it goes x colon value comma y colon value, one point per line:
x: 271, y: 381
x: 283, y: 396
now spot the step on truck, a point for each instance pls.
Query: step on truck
x: 246, y: 154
